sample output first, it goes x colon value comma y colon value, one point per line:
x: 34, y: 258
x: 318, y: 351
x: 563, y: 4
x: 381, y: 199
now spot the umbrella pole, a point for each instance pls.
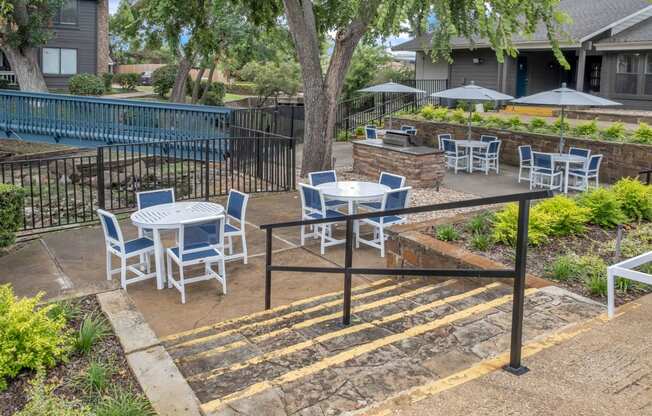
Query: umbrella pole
x: 470, y: 117
x: 561, y: 130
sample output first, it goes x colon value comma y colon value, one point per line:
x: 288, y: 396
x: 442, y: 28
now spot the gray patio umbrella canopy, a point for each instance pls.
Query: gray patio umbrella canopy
x: 392, y: 87
x: 472, y: 92
x: 565, y: 97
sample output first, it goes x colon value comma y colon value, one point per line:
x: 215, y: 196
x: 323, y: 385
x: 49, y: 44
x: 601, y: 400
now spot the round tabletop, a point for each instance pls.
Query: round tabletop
x: 353, y: 190
x: 471, y: 143
x: 173, y: 214
x: 565, y: 157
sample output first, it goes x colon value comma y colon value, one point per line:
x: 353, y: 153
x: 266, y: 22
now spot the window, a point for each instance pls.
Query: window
x: 627, y: 71
x: 59, y: 61
x: 67, y: 14
x: 648, y: 74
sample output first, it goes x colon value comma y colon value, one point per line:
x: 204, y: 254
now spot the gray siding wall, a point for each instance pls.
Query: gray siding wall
x: 82, y: 37
x: 463, y: 70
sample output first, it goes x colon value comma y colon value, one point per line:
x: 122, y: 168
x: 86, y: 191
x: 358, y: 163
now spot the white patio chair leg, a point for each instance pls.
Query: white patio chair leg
x: 141, y: 258
x: 244, y: 247
x: 148, y: 265
x: 381, y: 235
x: 323, y: 239
x: 303, y: 234
x: 182, y: 284
x: 108, y: 265
x: 123, y: 273
x: 169, y: 271
x: 222, y: 272
x: 230, y: 245
x: 611, y: 301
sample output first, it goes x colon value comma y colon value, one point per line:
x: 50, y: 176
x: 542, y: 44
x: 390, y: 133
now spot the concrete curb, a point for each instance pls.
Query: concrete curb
x: 165, y: 387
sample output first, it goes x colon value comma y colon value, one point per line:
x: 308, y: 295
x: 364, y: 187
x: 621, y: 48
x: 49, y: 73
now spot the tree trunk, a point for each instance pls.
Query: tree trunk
x: 178, y: 94
x: 208, y: 85
x: 197, y: 85
x: 25, y: 65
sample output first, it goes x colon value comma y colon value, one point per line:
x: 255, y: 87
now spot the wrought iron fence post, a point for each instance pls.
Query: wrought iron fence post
x: 207, y: 175
x: 515, y: 366
x: 99, y: 183
x: 268, y: 271
x: 348, y: 263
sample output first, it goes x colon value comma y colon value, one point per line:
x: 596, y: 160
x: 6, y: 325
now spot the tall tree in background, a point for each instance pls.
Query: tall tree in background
x: 310, y: 21
x: 24, y: 27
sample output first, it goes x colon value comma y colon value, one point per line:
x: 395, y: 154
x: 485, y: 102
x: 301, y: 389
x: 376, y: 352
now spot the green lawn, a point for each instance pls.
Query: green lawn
x: 233, y: 97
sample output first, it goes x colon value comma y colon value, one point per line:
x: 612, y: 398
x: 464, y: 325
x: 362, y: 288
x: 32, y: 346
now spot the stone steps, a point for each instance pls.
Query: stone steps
x: 299, y: 359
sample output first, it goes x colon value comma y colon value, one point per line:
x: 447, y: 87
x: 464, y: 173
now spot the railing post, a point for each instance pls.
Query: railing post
x: 207, y: 175
x: 268, y: 271
x: 515, y: 366
x: 99, y: 183
x: 348, y: 263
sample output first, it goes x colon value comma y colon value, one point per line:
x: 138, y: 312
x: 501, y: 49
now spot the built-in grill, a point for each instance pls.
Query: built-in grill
x: 398, y: 138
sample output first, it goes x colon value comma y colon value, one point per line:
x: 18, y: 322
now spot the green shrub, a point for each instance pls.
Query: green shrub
x: 428, y: 112
x: 634, y: 243
x: 241, y: 88
x: 505, y: 225
x: 343, y: 136
x: 447, y: 233
x: 441, y: 114
x: 477, y: 118
x: 92, y: 329
x: 86, y: 84
x: 163, y: 79
x: 567, y: 217
x: 459, y: 116
x: 616, y: 131
x: 537, y: 124
x: 513, y: 123
x: 594, y: 271
x: 11, y: 213
x: 480, y: 224
x: 464, y: 106
x: 96, y: 378
x: 589, y: 129
x: 107, y: 78
x: 127, y: 81
x: 606, y: 209
x: 635, y: 198
x: 564, y: 268
x: 489, y: 105
x: 43, y: 402
x: 481, y: 241
x: 359, y: 131
x: 215, y: 94
x: 29, y: 338
x: 494, y: 122
x: 124, y: 403
x: 557, y: 125
x: 643, y: 134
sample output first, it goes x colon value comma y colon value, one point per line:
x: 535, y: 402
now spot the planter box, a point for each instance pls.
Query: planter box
x: 620, y: 159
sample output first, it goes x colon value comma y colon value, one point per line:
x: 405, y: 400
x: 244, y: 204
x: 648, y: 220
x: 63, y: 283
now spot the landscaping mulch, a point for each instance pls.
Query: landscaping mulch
x: 65, y: 375
x: 21, y: 147
x: 594, y: 241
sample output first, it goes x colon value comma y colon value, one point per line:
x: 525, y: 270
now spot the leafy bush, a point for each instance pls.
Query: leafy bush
x: 42, y: 402
x: 215, y: 94
x: 86, y: 84
x: 127, y: 81
x: 464, y: 106
x: 564, y: 268
x: 29, y: 338
x: 96, y: 378
x: 537, y: 124
x: 643, y: 134
x: 616, y: 131
x: 107, y: 78
x: 636, y: 242
x: 459, y: 116
x: 589, y: 129
x: 241, y: 88
x: 11, y: 213
x: 441, y: 114
x: 428, y: 112
x: 481, y: 241
x: 594, y: 270
x: 476, y: 118
x: 124, y: 403
x: 489, y: 105
x: 93, y: 328
x: 557, y: 125
x: 606, y: 208
x: 480, y: 224
x: 505, y: 225
x: 447, y: 233
x: 359, y: 131
x: 513, y: 123
x: 567, y: 217
x: 163, y: 79
x: 635, y: 198
x: 494, y: 122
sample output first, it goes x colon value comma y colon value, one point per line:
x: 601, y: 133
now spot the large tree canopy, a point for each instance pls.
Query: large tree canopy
x: 24, y: 27
x: 348, y: 21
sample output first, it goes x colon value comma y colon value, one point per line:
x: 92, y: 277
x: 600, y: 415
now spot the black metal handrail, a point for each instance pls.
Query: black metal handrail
x: 518, y: 273
x: 648, y: 175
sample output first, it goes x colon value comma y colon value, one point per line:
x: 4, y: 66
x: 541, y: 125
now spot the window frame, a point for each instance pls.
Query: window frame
x: 638, y: 74
x: 59, y: 73
x: 637, y: 63
x: 56, y: 19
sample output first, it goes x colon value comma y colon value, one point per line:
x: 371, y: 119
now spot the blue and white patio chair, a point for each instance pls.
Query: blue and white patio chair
x: 490, y: 158
x: 125, y: 250
x: 485, y: 138
x: 326, y: 176
x: 236, y: 208
x: 582, y: 177
x: 543, y: 172
x: 394, y: 199
x: 407, y: 127
x: 388, y: 179
x: 524, y: 162
x: 148, y: 199
x: 312, y: 208
x: 201, y: 241
x: 578, y: 151
x: 441, y: 138
x: 370, y: 132
x: 455, y: 157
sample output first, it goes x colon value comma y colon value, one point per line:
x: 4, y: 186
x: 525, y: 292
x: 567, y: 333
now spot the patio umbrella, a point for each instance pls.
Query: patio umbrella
x: 392, y: 87
x: 472, y: 92
x: 565, y: 97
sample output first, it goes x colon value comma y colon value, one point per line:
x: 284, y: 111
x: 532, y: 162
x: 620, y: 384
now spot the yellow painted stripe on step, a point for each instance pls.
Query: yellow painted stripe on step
x: 313, y: 321
x: 282, y: 318
x: 222, y: 324
x: 355, y: 352
x: 476, y: 371
x: 342, y: 332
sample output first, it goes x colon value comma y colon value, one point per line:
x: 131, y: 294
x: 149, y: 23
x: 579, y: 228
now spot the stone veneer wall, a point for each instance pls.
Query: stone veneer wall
x: 420, y: 171
x: 620, y: 159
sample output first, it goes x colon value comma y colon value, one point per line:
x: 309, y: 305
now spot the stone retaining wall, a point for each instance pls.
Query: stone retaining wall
x: 420, y: 170
x: 620, y: 159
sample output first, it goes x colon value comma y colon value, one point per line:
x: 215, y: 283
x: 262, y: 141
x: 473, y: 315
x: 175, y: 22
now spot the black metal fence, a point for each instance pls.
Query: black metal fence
x: 284, y: 120
x: 517, y: 274
x: 647, y: 174
x: 67, y: 190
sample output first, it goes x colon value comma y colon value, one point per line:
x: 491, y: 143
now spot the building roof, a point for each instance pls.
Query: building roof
x: 633, y: 36
x: 590, y: 18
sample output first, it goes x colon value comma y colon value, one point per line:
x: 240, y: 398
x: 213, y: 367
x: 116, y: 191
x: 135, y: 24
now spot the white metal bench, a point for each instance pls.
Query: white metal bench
x: 625, y: 269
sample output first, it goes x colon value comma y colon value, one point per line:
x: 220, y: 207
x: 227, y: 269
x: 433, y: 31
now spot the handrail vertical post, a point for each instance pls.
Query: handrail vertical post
x: 268, y: 270
x: 348, y: 263
x: 207, y: 174
x: 515, y: 366
x: 99, y: 166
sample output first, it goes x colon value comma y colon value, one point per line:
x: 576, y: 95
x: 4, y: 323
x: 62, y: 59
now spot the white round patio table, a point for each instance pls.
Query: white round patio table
x: 567, y: 160
x: 471, y: 145
x: 169, y: 217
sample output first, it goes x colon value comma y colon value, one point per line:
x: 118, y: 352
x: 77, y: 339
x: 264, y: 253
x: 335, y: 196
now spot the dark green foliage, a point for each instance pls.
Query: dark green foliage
x: 127, y: 81
x: 606, y: 208
x: 107, y: 77
x: 86, y: 84
x: 93, y: 328
x: 215, y: 94
x: 124, y: 403
x: 447, y: 233
x: 635, y: 198
x: 163, y: 79
x: 481, y: 241
x: 11, y: 213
